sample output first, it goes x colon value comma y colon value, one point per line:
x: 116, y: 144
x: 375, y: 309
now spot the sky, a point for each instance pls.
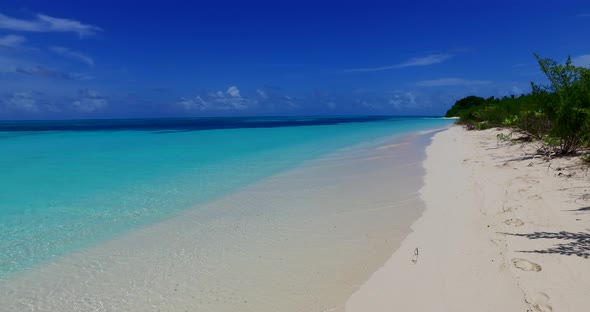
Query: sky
x: 143, y: 59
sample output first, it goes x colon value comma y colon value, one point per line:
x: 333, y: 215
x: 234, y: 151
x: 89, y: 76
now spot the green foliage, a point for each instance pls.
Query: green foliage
x: 504, y: 137
x: 494, y: 112
x: 557, y: 113
x: 565, y: 102
x: 465, y: 105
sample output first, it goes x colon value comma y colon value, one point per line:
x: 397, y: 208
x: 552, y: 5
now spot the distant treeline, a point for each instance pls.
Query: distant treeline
x: 557, y: 114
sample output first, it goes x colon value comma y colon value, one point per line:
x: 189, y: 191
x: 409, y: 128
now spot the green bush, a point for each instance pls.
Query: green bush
x: 558, y: 113
x: 565, y: 102
x: 465, y: 105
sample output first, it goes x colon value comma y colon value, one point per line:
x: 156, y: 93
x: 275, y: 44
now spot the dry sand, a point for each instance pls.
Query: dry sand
x: 500, y: 233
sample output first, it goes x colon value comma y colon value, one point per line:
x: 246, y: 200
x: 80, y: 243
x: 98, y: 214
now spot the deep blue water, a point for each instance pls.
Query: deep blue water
x: 184, y: 124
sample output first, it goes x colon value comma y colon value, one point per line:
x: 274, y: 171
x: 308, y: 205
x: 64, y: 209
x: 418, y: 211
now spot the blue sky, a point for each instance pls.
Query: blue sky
x: 122, y: 59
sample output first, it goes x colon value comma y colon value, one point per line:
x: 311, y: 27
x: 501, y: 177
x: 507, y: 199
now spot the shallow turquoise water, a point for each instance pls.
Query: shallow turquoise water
x: 63, y: 190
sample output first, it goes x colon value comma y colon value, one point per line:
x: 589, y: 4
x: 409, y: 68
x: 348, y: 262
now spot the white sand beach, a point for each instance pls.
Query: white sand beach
x: 501, y: 232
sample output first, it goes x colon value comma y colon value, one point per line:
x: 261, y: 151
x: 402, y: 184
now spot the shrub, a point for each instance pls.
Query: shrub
x: 557, y: 114
x: 565, y: 102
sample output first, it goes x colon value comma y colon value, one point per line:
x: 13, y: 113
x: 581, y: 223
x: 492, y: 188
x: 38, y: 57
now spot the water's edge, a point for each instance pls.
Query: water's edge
x: 300, y: 192
x: 67, y: 191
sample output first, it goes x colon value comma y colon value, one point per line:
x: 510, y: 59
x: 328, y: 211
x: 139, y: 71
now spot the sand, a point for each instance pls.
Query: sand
x: 501, y: 232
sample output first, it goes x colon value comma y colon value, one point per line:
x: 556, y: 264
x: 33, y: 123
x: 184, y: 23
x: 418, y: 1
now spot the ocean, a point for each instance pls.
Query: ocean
x: 68, y: 187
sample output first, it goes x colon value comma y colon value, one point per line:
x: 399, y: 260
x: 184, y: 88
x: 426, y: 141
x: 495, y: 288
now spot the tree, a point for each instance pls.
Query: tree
x: 565, y: 102
x: 464, y: 105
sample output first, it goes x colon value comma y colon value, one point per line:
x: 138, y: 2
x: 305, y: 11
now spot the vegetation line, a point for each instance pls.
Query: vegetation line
x: 556, y: 115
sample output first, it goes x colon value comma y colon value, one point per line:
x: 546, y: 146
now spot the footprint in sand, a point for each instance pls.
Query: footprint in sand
x: 526, y: 265
x: 514, y: 222
x: 524, y: 189
x: 541, y: 303
x: 509, y: 208
x: 415, y: 257
x: 529, y: 180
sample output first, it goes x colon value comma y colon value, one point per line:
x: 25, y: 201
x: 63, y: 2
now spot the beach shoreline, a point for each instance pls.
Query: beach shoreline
x: 502, y: 231
x: 304, y: 239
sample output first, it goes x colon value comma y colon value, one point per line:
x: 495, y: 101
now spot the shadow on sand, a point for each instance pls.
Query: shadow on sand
x: 583, y: 209
x: 575, y: 244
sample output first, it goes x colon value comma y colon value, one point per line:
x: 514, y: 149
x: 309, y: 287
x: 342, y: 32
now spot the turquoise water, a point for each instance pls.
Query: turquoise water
x: 66, y: 187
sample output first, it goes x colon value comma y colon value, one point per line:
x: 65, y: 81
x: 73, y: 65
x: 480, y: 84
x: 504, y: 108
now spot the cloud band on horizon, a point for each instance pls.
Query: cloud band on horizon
x: 46, y: 23
x: 451, y: 81
x: 413, y: 62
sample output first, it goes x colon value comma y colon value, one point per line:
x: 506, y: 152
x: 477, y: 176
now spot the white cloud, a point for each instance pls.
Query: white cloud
x: 288, y: 101
x: 196, y: 103
x: 582, y: 60
x: 41, y: 71
x: 413, y: 62
x: 517, y: 91
x: 401, y: 100
x: 22, y: 101
x: 233, y: 91
x: 218, y: 101
x: 448, y: 82
x: 426, y: 60
x: 45, y: 23
x: 79, y: 56
x: 262, y: 94
x: 89, y: 101
x: 410, y: 101
x: 31, y: 102
x: 274, y: 100
x: 12, y: 41
x: 365, y: 103
x: 9, y: 62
